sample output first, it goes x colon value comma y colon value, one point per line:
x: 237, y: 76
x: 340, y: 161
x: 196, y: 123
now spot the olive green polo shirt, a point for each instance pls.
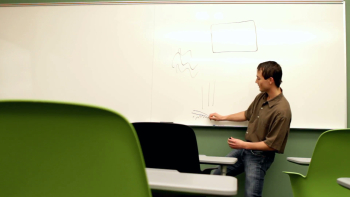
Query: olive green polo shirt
x: 269, y: 121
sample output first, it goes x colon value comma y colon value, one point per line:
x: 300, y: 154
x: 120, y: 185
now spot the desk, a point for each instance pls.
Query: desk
x: 222, y: 161
x: 217, y: 160
x: 345, y: 182
x: 172, y: 180
x: 299, y: 160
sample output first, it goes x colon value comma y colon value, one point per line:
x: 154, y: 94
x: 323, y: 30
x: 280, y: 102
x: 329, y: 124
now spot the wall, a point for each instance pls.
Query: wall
x: 212, y: 142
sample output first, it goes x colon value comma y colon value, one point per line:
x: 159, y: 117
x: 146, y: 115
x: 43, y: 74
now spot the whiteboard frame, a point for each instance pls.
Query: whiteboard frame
x: 177, y: 2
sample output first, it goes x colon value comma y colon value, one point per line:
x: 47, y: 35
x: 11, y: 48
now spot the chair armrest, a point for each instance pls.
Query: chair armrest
x: 203, y: 159
x: 199, y: 184
x: 294, y: 174
x: 297, y: 181
x: 299, y: 160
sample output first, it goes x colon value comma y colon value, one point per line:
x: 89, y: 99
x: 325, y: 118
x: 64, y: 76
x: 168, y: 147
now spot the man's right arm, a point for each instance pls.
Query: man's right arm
x: 238, y: 117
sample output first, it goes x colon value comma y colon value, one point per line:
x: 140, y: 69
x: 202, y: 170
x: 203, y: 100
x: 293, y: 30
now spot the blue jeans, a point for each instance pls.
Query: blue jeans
x: 255, y: 164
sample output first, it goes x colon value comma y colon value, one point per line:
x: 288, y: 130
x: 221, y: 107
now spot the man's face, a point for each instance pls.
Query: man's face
x: 264, y: 84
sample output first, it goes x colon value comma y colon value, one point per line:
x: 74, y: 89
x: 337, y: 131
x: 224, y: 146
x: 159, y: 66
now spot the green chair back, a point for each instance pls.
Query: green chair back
x: 330, y: 161
x: 65, y: 150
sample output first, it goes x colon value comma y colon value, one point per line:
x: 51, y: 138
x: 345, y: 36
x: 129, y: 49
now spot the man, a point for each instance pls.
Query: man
x: 269, y: 118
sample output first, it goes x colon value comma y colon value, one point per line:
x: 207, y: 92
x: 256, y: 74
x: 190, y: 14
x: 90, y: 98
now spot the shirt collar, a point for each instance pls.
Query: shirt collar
x: 273, y: 101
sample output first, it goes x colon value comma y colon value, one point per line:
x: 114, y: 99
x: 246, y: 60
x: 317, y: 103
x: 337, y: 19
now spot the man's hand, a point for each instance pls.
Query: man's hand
x: 216, y: 116
x: 236, y: 143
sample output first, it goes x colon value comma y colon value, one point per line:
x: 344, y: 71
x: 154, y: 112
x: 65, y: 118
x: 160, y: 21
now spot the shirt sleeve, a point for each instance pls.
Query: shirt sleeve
x: 278, y: 133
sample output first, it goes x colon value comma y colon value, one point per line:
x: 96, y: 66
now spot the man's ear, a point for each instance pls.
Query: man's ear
x: 271, y: 80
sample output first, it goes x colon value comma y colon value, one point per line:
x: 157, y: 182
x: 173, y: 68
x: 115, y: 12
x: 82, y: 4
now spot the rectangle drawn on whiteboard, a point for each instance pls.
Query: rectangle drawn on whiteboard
x: 234, y: 37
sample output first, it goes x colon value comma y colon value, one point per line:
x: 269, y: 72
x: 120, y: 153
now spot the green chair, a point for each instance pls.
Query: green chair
x: 65, y: 150
x: 330, y: 160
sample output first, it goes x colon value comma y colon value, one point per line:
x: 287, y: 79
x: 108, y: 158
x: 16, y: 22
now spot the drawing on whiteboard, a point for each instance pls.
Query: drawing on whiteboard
x: 181, y: 62
x: 234, y: 37
x: 211, y: 95
x: 199, y: 114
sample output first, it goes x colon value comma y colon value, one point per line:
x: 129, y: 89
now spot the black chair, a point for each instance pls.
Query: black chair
x: 169, y: 146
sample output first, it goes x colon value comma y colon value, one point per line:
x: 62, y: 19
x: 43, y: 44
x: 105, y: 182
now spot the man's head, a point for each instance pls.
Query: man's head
x: 269, y: 76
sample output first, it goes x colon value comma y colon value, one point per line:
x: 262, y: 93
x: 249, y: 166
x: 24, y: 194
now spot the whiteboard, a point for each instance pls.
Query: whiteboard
x: 177, y: 62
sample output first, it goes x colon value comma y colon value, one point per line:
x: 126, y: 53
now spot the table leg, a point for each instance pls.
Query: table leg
x: 223, y: 170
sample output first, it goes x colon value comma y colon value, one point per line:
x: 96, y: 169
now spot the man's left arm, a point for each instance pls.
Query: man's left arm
x: 240, y: 144
x: 275, y: 139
